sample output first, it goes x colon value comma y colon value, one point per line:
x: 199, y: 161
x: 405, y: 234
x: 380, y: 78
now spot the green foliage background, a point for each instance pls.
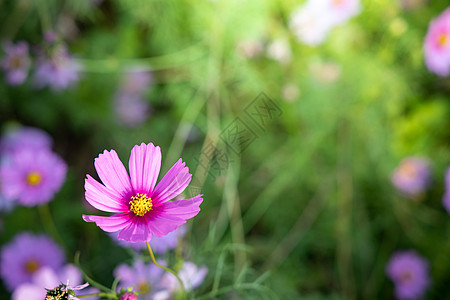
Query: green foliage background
x: 307, y: 210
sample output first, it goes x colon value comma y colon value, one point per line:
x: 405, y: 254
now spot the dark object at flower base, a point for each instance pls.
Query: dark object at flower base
x: 64, y: 292
x: 58, y: 293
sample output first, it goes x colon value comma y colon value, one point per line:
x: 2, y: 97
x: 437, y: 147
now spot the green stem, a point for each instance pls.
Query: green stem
x: 87, y: 277
x: 167, y: 269
x: 107, y: 295
x: 49, y: 225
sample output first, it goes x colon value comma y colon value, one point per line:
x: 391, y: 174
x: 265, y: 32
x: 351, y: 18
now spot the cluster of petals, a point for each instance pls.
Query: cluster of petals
x: 312, y: 21
x: 436, y: 46
x: 409, y: 272
x: 157, y: 216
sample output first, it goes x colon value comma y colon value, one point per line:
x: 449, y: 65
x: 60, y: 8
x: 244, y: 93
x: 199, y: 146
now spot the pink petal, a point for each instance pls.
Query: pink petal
x: 112, y: 223
x: 173, y: 183
x: 28, y: 291
x: 103, y: 198
x: 136, y: 231
x: 70, y: 273
x: 46, y: 278
x: 112, y: 172
x: 162, y: 224
x: 145, y: 164
x: 185, y: 209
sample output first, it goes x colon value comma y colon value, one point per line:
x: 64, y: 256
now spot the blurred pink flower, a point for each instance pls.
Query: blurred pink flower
x: 437, y: 45
x: 312, y: 21
x: 143, y: 210
x: 413, y: 176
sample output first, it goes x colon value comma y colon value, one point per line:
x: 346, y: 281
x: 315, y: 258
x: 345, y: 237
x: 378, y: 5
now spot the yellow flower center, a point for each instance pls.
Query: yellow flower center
x: 140, y: 204
x: 31, y: 266
x: 143, y: 287
x: 443, y: 39
x: 34, y: 178
x: 15, y: 62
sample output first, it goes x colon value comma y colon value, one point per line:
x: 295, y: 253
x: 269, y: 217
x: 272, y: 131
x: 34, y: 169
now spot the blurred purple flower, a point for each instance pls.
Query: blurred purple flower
x: 132, y: 110
x: 24, y: 137
x: 25, y: 255
x: 446, y: 198
x: 136, y: 82
x: 144, y: 277
x: 16, y: 62
x: 130, y: 106
x: 410, y: 273
x: 32, y: 177
x: 59, y: 71
x: 47, y: 278
x: 191, y: 275
x: 413, y: 176
x: 159, y: 245
x: 437, y: 45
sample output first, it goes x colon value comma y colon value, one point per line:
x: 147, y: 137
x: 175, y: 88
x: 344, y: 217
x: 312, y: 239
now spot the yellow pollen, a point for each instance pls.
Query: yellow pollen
x: 337, y: 2
x: 34, y: 178
x: 443, y: 40
x: 31, y: 266
x: 140, y: 204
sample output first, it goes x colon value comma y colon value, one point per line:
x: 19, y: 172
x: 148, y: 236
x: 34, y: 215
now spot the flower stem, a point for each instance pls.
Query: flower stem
x: 167, y: 269
x: 104, y: 295
x: 49, y: 224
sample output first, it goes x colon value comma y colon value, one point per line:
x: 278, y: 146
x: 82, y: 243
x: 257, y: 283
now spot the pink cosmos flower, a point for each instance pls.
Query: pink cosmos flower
x: 142, y: 208
x: 437, y: 45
